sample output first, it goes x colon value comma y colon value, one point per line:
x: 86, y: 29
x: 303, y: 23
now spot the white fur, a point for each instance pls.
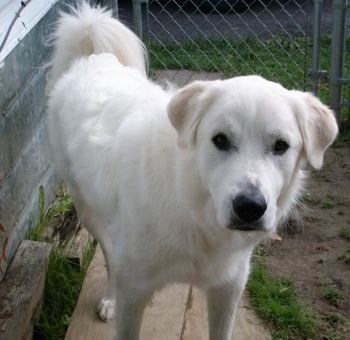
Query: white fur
x: 148, y: 181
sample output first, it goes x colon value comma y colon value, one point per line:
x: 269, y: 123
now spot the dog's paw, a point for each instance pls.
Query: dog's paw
x: 105, y: 309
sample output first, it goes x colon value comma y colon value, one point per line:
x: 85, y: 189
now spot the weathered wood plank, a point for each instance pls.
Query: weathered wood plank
x: 77, y: 246
x: 163, y: 318
x: 21, y: 291
x: 247, y: 325
x: 85, y: 323
x: 195, y: 320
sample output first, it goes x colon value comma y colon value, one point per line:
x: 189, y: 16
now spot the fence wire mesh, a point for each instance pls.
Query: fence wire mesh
x: 229, y: 38
x: 297, y: 43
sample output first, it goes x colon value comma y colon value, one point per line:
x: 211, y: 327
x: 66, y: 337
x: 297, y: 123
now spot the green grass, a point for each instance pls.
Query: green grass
x: 275, y: 300
x: 278, y: 59
x: 331, y: 294
x: 63, y: 281
x: 63, y: 204
x: 345, y: 233
x: 63, y: 285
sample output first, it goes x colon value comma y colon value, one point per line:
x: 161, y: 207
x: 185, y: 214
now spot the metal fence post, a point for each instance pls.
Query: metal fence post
x: 137, y: 13
x: 316, y: 73
x: 116, y: 9
x: 336, y: 78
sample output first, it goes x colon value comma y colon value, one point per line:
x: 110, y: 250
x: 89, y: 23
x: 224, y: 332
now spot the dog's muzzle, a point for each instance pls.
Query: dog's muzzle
x: 249, y: 210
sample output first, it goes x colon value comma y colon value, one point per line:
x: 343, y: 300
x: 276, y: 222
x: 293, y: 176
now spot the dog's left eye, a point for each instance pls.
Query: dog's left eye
x: 221, y: 142
x: 280, y: 147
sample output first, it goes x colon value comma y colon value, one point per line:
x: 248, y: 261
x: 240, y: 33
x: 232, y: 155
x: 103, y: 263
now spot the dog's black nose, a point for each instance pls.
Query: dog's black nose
x: 249, y: 208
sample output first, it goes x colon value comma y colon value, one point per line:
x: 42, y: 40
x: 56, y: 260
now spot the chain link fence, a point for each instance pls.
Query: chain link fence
x: 301, y: 44
x: 298, y: 43
x: 228, y: 38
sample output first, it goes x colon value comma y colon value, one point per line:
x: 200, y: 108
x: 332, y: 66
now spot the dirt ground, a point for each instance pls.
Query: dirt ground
x: 316, y: 255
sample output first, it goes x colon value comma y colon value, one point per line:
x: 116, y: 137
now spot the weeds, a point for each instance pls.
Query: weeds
x: 63, y: 279
x: 63, y: 285
x: 63, y: 204
x: 345, y: 257
x: 331, y: 294
x: 345, y: 233
x: 327, y: 204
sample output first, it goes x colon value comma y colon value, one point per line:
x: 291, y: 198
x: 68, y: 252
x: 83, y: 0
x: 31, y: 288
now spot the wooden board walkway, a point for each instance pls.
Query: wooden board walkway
x: 177, y: 313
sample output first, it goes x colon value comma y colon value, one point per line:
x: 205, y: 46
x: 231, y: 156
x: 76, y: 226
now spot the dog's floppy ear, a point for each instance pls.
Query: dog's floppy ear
x: 317, y: 125
x: 186, y: 109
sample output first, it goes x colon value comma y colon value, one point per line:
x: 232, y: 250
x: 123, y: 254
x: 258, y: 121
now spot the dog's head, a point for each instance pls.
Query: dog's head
x: 250, y: 138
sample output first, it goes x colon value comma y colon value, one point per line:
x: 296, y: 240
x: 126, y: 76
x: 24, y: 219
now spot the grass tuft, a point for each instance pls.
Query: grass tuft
x: 63, y: 281
x: 63, y: 285
x: 345, y: 233
x: 331, y: 294
x: 275, y: 300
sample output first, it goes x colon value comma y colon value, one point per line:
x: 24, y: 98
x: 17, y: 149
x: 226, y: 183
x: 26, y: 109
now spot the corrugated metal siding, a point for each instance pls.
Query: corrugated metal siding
x: 24, y: 154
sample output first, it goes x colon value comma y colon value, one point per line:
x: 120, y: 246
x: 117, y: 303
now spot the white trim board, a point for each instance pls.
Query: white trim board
x: 30, y: 15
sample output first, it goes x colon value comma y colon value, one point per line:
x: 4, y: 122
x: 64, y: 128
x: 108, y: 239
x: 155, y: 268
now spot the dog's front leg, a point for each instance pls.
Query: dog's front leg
x: 129, y: 311
x: 222, y: 305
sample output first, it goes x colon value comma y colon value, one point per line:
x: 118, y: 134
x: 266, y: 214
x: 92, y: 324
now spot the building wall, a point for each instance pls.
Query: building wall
x: 24, y: 154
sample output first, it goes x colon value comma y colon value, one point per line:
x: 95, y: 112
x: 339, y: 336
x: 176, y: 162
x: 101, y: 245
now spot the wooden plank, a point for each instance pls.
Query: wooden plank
x: 163, y: 318
x: 247, y: 325
x: 85, y: 323
x: 77, y: 246
x: 196, y: 318
x: 21, y: 291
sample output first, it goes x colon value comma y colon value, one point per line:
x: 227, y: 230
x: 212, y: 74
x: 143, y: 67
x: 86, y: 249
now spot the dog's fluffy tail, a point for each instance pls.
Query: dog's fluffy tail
x: 89, y: 31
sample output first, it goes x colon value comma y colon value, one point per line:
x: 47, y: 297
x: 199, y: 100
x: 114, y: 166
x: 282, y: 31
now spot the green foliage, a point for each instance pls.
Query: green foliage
x: 345, y: 233
x: 275, y: 300
x: 63, y: 204
x: 331, y: 294
x: 63, y: 280
x: 63, y: 285
x: 277, y: 59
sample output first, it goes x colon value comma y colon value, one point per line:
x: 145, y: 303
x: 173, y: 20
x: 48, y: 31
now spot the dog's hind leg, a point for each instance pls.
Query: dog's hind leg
x: 106, y: 307
x: 97, y: 227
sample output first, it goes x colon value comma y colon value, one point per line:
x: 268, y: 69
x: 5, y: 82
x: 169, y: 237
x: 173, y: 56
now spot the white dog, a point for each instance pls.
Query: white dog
x: 176, y: 186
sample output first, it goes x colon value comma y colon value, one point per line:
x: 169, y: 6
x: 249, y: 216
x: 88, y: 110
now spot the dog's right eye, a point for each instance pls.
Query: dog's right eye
x: 221, y: 142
